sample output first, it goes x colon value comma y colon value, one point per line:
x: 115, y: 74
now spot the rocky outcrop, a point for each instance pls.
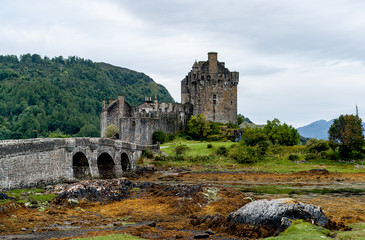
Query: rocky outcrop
x: 277, y: 213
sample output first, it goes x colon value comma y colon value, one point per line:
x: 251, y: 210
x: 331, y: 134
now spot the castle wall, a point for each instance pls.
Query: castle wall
x: 140, y: 128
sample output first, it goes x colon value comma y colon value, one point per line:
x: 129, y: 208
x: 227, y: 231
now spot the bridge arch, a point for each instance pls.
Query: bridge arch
x: 80, y: 166
x: 125, y: 162
x: 106, y: 166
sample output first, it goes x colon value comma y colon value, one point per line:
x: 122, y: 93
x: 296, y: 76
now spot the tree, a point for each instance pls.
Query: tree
x: 346, y: 133
x: 198, y: 127
x: 255, y: 137
x: 281, y: 134
x: 240, y: 119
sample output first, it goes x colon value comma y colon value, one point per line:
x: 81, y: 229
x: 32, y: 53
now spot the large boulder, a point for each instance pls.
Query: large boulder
x: 277, y: 213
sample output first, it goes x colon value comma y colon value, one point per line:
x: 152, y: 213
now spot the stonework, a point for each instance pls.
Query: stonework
x: 209, y: 89
x: 212, y: 90
x: 31, y: 162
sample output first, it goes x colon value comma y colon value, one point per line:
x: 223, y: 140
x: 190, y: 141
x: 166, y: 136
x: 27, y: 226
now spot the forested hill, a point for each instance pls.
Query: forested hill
x: 41, y: 97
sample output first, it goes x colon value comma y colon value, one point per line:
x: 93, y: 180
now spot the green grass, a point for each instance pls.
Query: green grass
x: 357, y: 232
x: 300, y: 230
x: 275, y: 161
x: 196, y: 148
x: 31, y: 195
x: 113, y: 237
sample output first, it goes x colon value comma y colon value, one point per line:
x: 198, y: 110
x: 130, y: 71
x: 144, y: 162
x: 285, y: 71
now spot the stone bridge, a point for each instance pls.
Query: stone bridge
x: 31, y: 162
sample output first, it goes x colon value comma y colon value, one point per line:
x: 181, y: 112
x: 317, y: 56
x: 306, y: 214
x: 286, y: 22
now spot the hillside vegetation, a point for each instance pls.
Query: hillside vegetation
x: 41, y: 97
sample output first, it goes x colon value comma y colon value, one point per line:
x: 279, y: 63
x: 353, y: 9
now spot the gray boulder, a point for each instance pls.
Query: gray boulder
x: 277, y: 213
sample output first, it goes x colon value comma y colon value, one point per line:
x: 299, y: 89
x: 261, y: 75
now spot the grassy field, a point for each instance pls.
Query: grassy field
x: 113, y: 237
x: 275, y: 161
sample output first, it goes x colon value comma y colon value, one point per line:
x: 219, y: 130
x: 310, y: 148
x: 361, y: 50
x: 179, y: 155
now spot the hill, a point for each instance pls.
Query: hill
x: 318, y: 129
x: 43, y: 96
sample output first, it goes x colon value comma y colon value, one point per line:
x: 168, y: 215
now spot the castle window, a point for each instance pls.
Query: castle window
x: 202, y: 77
x: 214, y: 99
x: 160, y: 109
x: 165, y: 109
x: 231, y: 103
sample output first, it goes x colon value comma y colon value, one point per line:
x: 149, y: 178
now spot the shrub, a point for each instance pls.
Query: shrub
x: 293, y: 157
x: 317, y: 146
x: 202, y: 158
x: 159, y: 136
x: 162, y: 158
x: 181, y: 149
x: 311, y: 156
x: 147, y: 153
x: 171, y: 137
x: 222, y: 150
x: 213, y: 138
x: 189, y: 138
x: 244, y: 154
x: 111, y: 131
x: 210, y: 145
x: 256, y: 137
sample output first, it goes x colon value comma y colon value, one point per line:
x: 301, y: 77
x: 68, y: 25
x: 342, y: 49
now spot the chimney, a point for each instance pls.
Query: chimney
x: 103, y: 104
x: 213, y: 62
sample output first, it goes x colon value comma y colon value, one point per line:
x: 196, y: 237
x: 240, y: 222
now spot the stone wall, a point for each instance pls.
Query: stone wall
x: 31, y: 162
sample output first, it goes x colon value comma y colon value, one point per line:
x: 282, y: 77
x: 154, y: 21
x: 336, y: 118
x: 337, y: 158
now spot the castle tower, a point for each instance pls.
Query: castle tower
x: 212, y: 90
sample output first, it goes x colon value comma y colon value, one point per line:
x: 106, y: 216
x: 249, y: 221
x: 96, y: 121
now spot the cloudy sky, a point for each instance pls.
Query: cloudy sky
x: 299, y: 61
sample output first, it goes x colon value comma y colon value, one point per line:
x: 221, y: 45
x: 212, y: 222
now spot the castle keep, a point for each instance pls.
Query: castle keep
x: 209, y: 89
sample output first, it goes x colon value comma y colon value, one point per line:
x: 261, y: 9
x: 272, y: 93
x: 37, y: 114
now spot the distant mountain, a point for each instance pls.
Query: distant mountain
x: 41, y: 97
x: 318, y: 129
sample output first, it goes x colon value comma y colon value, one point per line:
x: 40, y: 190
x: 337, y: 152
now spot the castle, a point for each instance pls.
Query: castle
x: 209, y: 89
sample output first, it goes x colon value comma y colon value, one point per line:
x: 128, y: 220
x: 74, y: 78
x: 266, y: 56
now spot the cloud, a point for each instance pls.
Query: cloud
x: 299, y: 61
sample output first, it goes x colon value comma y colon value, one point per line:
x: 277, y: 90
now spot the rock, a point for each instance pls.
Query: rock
x: 201, y: 236
x: 209, y: 231
x: 3, y: 196
x: 152, y: 224
x: 277, y: 213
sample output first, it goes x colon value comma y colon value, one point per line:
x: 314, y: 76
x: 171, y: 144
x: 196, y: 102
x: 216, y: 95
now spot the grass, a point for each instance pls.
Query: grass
x: 30, y: 195
x: 300, y: 230
x: 357, y: 232
x: 113, y: 237
x: 196, y: 148
x: 275, y: 161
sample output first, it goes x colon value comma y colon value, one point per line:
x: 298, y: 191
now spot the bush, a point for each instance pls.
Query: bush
x: 256, y: 137
x: 293, y: 157
x: 213, y: 138
x: 210, y: 145
x: 189, y: 138
x: 244, y: 154
x: 317, y: 146
x: 147, y: 153
x: 159, y: 136
x: 201, y: 158
x: 181, y: 149
x: 222, y: 151
x: 111, y: 131
x: 171, y: 137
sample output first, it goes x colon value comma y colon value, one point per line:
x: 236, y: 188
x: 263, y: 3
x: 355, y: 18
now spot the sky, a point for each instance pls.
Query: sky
x: 299, y: 61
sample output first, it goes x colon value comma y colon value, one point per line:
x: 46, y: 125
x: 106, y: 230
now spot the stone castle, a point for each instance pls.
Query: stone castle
x: 209, y: 89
